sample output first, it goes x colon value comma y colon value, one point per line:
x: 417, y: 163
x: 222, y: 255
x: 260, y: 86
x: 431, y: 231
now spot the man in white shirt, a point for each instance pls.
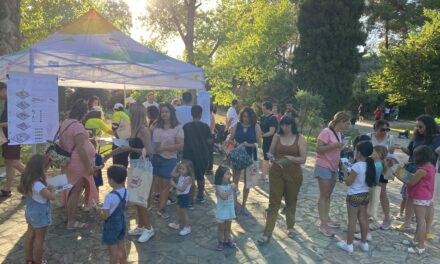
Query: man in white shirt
x: 232, y: 116
x: 183, y: 112
x: 150, y: 100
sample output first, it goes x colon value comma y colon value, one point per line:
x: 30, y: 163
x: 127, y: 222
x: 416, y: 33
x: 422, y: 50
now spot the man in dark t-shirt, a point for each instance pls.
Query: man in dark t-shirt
x: 269, y: 126
x: 196, y: 149
x: 11, y: 153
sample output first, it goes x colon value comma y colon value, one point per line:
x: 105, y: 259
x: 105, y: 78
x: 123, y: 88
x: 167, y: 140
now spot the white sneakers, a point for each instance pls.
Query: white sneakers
x: 185, y: 231
x: 145, y: 234
x: 416, y: 250
x: 173, y: 225
x: 359, y: 236
x: 344, y: 246
x: 363, y: 246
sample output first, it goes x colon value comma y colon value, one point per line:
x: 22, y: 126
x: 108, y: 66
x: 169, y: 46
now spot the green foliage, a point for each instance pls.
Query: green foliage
x: 160, y: 96
x: 412, y: 69
x: 310, y: 107
x: 327, y: 58
x: 40, y: 18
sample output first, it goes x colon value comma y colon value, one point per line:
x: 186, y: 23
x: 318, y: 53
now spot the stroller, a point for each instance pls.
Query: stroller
x: 219, y: 138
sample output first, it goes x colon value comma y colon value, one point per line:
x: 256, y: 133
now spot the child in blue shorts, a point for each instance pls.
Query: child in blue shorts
x: 113, y: 213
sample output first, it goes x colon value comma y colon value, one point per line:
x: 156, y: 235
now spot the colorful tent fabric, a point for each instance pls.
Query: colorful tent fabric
x: 92, y: 53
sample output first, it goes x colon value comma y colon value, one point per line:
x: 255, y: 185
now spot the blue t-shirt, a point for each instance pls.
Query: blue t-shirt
x: 379, y: 169
x: 419, y: 142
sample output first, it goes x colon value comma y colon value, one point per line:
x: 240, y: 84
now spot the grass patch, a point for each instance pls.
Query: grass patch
x: 311, y: 143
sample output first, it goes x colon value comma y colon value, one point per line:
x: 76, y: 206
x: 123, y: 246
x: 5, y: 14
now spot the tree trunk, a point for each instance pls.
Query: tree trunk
x: 387, y: 41
x: 189, y: 39
x: 9, y: 26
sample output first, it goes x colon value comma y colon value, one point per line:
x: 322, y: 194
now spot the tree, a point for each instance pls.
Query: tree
x: 9, y: 26
x: 40, y: 18
x: 412, y: 69
x: 327, y: 58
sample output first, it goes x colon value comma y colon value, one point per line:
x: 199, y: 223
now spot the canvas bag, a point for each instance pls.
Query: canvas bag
x: 139, y: 182
x: 252, y: 175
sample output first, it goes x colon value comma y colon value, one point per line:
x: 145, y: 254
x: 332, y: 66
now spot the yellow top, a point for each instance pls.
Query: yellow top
x: 98, y: 124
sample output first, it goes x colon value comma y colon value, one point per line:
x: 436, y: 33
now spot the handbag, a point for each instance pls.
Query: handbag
x: 252, y: 175
x: 139, y: 182
x: 239, y: 158
x: 58, y: 157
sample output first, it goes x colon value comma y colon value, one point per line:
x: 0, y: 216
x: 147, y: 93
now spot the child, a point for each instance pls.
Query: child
x: 185, y: 174
x: 99, y: 164
x: 225, y: 207
x: 421, y: 191
x: 379, y: 155
x: 38, y: 209
x: 361, y: 177
x: 113, y: 213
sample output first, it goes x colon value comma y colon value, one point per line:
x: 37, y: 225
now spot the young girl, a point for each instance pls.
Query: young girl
x: 379, y: 155
x: 38, y: 209
x: 185, y: 174
x: 361, y: 177
x: 225, y: 207
x: 113, y: 213
x: 421, y: 191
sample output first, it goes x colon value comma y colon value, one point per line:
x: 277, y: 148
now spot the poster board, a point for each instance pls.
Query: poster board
x: 32, y: 103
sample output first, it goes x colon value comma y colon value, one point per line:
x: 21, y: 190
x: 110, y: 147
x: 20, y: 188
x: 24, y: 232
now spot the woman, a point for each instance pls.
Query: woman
x: 138, y: 141
x: 328, y: 151
x: 168, y: 139
x: 289, y: 151
x: 382, y: 137
x: 94, y: 123
x: 93, y: 102
x: 120, y: 119
x: 74, y: 138
x: 246, y: 133
x: 426, y: 133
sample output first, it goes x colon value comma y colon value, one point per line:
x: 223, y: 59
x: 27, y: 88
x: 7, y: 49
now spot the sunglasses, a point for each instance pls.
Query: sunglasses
x: 385, y: 130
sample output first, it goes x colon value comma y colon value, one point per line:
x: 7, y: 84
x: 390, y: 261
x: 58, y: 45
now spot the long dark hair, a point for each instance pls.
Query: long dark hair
x: 219, y: 174
x: 430, y: 129
x: 173, y: 118
x: 78, y: 110
x: 287, y: 120
x: 251, y: 115
x: 34, y: 171
x: 365, y: 148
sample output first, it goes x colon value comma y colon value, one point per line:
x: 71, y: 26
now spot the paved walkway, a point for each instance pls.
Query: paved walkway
x: 84, y: 246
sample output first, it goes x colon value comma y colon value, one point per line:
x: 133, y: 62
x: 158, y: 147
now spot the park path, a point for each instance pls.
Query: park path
x: 84, y: 246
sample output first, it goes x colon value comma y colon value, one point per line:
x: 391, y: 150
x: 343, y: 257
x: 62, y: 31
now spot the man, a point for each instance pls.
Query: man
x: 196, y: 149
x: 269, y: 125
x: 232, y: 116
x: 292, y: 112
x: 11, y: 153
x: 150, y: 100
x: 183, y: 112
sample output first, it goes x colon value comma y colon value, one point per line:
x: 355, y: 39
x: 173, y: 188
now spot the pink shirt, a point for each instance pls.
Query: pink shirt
x: 168, y: 137
x: 424, y: 189
x: 330, y: 158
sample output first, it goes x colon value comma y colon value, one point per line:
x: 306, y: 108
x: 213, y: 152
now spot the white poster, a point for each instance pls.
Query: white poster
x: 32, y: 108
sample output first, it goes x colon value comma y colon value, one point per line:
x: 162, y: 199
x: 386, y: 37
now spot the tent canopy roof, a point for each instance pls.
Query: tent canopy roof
x: 90, y: 52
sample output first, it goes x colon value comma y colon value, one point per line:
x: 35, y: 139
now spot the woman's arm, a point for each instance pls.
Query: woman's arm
x: 232, y: 135
x: 322, y: 147
x: 80, y: 141
x: 174, y: 147
x: 301, y: 159
x: 273, y: 145
x: 258, y: 134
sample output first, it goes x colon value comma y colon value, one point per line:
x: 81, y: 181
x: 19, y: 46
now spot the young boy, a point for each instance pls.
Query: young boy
x: 113, y: 213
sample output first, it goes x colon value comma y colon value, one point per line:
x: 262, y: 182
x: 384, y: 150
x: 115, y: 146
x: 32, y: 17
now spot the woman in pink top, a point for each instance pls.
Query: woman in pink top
x: 74, y: 138
x: 421, y: 191
x: 328, y: 151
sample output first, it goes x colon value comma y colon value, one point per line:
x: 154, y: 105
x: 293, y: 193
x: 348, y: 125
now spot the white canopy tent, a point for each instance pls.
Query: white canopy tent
x: 92, y: 53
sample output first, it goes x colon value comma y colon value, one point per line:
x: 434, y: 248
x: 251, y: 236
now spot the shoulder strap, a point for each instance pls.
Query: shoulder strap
x: 296, y: 140
x: 120, y: 198
x: 64, y: 130
x: 336, y: 135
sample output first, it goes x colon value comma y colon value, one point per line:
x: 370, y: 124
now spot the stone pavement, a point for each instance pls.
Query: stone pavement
x: 310, y: 246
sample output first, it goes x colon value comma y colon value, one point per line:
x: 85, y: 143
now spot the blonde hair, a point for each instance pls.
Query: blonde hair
x: 189, y: 167
x: 138, y: 118
x: 339, y: 117
x: 382, y: 151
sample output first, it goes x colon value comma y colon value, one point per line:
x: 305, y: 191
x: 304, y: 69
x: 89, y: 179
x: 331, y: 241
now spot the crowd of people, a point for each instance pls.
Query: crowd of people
x: 180, y: 148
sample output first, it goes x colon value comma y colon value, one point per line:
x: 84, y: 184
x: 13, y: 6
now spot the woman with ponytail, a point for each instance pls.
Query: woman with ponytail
x: 359, y: 179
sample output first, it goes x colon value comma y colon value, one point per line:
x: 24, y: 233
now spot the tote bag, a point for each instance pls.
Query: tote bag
x: 139, y: 182
x: 252, y: 175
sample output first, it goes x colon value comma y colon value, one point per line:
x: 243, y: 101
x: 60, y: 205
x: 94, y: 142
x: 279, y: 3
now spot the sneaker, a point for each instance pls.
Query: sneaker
x: 201, y: 199
x: 219, y: 246
x: 386, y: 224
x: 326, y: 231
x: 191, y: 206
x: 185, y: 231
x: 173, y: 225
x: 230, y: 244
x: 411, y: 243
x: 416, y: 250
x: 146, y: 235
x: 344, y: 246
x: 136, y: 232
x: 334, y: 225
x: 163, y: 213
x: 171, y: 202
x: 359, y: 236
x: 363, y: 246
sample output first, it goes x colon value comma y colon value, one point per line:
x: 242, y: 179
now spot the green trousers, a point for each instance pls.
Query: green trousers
x: 282, y: 185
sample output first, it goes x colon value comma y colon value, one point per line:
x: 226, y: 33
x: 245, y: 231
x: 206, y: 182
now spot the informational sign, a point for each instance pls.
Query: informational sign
x: 32, y: 108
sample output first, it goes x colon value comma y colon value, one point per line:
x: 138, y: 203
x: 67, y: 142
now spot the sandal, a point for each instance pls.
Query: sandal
x: 291, y: 233
x: 77, y: 225
x: 5, y: 194
x: 264, y: 240
x: 230, y: 244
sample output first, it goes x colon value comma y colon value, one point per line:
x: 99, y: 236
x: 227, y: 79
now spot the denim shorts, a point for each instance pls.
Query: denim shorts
x: 325, y: 173
x: 38, y: 215
x: 163, y: 167
x: 183, y: 200
x: 358, y: 199
x: 113, y: 233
